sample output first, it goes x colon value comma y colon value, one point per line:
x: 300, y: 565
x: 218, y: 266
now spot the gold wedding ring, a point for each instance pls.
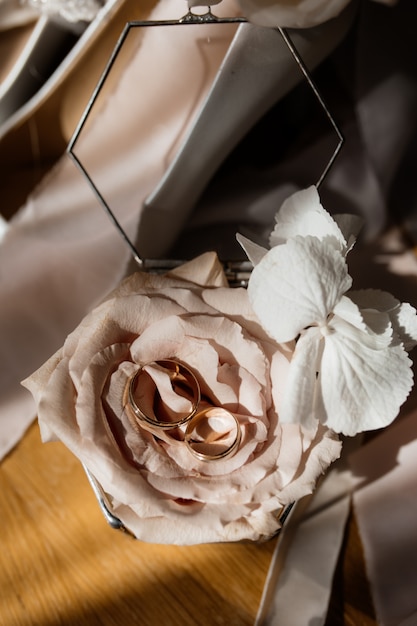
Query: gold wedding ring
x: 211, y: 433
x: 183, y: 382
x: 221, y: 445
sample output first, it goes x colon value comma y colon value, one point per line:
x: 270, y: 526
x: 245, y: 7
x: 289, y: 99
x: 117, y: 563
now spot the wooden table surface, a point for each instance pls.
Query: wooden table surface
x: 61, y: 564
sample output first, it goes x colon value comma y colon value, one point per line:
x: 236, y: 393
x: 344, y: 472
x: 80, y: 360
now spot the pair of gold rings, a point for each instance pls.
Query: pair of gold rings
x: 211, y: 433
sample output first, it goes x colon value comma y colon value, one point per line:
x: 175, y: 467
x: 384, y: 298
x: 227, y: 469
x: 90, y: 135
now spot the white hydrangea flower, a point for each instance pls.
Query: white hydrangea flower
x: 350, y: 368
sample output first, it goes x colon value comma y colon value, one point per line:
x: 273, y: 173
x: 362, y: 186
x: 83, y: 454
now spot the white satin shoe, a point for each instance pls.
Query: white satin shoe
x: 256, y: 73
x: 36, y: 130
x: 34, y: 38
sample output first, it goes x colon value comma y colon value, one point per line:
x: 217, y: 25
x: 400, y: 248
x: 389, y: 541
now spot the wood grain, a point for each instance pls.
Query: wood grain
x: 61, y: 564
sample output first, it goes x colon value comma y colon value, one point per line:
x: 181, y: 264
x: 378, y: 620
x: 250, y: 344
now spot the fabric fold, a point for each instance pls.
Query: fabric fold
x: 385, y: 502
x: 307, y: 551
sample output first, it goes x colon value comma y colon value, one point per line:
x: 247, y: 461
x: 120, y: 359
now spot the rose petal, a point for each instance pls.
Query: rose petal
x: 238, y: 308
x: 297, y: 284
x: 37, y: 382
x: 56, y: 411
x: 206, y: 526
x: 177, y: 403
x: 88, y: 403
x: 324, y: 448
x: 147, y: 483
x: 205, y: 270
x: 117, y: 320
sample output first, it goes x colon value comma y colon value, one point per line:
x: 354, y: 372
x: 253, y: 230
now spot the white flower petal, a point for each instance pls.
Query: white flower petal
x: 298, y: 406
x: 254, y: 251
x: 297, y: 284
x: 403, y: 316
x: 376, y: 326
x: 362, y: 388
x: 302, y: 214
x: 406, y: 326
x: 350, y: 312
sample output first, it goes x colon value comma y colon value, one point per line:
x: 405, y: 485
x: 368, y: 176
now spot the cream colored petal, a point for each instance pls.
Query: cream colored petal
x: 297, y: 284
x: 253, y: 251
x: 205, y: 270
x: 37, y: 381
x: 115, y: 321
x: 376, y: 325
x: 299, y: 402
x: 362, y: 388
x: 163, y: 382
x: 403, y: 316
x: 324, y: 448
x: 302, y: 214
x: 406, y: 325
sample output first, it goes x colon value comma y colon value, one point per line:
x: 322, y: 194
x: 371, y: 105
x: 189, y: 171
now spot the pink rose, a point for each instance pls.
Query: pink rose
x: 160, y: 490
